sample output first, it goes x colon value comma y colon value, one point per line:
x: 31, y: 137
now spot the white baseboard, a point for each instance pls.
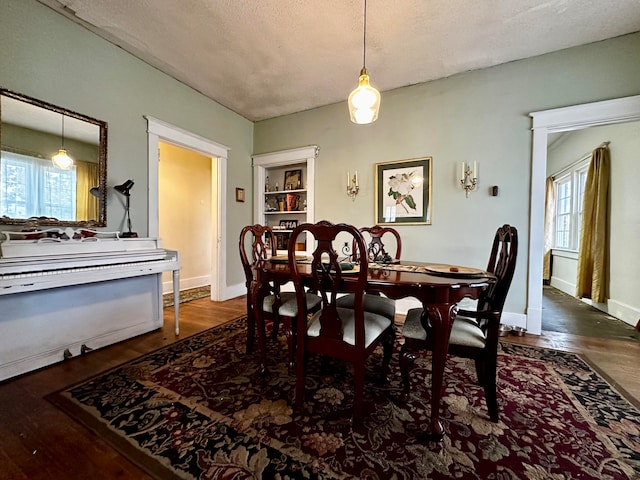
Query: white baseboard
x: 187, y: 283
x: 563, y: 285
x: 233, y: 291
x: 624, y: 312
x: 514, y: 319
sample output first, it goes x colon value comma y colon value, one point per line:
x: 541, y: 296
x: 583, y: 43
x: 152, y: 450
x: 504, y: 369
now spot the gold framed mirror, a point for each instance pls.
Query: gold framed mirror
x: 35, y: 190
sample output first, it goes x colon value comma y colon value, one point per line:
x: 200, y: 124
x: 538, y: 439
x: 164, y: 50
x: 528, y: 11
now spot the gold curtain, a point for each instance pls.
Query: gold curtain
x: 592, y: 257
x: 86, y: 178
x: 549, y: 220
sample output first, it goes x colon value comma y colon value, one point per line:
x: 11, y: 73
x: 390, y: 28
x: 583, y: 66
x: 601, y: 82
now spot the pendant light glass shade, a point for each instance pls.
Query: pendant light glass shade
x: 61, y: 159
x: 364, y: 101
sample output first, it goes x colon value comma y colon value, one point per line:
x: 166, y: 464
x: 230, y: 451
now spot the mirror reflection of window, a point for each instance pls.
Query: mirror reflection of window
x: 33, y: 187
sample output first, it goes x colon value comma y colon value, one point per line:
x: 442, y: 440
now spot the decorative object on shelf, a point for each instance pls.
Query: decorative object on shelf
x: 239, y: 194
x: 266, y: 184
x: 352, y: 185
x: 61, y: 159
x: 293, y: 202
x: 125, y: 189
x: 364, y: 101
x: 282, y: 240
x: 403, y: 192
x: 288, y: 224
x: 468, y: 177
x: 292, y: 179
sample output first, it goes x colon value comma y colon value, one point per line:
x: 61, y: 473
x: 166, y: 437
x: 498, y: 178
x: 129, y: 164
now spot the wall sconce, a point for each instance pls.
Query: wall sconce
x: 468, y: 177
x: 125, y: 189
x: 352, y: 185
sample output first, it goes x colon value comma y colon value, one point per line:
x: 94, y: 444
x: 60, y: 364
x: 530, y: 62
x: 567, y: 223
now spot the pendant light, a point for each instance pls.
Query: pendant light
x: 364, y: 101
x: 61, y: 160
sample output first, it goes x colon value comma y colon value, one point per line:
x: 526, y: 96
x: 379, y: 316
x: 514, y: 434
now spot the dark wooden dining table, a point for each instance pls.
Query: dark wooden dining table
x: 439, y: 294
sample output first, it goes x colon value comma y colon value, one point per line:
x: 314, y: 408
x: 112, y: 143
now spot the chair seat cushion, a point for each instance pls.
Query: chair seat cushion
x: 289, y: 304
x: 374, y: 326
x: 464, y: 332
x: 372, y: 303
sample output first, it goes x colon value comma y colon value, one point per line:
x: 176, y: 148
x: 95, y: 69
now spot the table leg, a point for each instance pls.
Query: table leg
x: 440, y: 318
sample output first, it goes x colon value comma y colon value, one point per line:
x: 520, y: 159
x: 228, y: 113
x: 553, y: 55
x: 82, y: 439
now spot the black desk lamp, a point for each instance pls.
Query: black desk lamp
x: 124, y: 189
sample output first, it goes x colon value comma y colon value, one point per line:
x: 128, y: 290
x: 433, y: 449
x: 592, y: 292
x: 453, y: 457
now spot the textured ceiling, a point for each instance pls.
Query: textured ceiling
x: 266, y: 58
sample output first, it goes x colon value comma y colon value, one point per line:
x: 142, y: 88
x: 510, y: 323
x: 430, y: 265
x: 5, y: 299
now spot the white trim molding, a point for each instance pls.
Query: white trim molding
x: 162, y: 131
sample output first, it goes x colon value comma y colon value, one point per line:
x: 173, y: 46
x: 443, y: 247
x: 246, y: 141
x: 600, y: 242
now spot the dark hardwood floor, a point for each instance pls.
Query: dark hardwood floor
x: 38, y: 441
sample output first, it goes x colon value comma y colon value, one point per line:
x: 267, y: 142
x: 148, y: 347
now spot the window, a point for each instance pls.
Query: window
x: 33, y: 187
x: 569, y: 198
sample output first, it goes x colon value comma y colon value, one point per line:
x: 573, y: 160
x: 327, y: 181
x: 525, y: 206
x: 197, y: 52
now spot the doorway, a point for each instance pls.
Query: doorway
x: 185, y: 214
x: 551, y: 121
x: 159, y: 131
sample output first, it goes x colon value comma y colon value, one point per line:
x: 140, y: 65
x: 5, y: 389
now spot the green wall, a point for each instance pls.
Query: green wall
x: 480, y: 115
x: 46, y: 56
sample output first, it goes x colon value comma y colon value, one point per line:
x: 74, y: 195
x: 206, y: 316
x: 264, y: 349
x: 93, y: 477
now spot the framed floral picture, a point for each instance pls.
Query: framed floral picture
x: 403, y: 192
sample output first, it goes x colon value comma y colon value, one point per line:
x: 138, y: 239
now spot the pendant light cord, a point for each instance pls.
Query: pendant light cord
x: 63, y: 130
x: 364, y: 40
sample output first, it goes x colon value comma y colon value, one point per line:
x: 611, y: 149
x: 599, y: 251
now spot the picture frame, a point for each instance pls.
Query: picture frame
x: 239, y: 194
x: 403, y: 192
x: 292, y: 179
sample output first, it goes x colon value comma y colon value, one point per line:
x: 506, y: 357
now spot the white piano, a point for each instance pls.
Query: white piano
x: 64, y: 292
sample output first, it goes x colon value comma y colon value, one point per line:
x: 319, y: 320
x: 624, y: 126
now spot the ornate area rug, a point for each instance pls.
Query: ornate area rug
x: 187, y: 295
x: 199, y: 409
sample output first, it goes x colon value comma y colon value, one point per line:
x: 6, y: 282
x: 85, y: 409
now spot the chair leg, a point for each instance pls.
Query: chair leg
x: 388, y: 341
x: 487, y: 378
x: 407, y: 359
x: 290, y: 334
x: 251, y: 330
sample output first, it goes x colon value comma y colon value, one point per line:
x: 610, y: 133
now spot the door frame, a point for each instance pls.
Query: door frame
x: 158, y: 131
x: 576, y: 117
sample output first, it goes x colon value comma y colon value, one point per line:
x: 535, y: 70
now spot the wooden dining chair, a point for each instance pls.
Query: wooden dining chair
x: 376, y: 252
x: 257, y: 245
x: 347, y: 334
x: 474, y: 334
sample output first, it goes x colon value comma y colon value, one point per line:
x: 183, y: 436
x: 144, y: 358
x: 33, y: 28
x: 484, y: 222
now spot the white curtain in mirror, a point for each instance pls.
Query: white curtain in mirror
x: 33, y: 187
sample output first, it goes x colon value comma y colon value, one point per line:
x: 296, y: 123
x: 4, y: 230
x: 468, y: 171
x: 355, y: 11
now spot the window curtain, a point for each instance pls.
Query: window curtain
x: 86, y: 178
x: 549, y: 219
x: 592, y: 257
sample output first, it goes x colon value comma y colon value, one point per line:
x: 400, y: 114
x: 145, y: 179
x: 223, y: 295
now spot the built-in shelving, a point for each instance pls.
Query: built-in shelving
x: 275, y: 206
